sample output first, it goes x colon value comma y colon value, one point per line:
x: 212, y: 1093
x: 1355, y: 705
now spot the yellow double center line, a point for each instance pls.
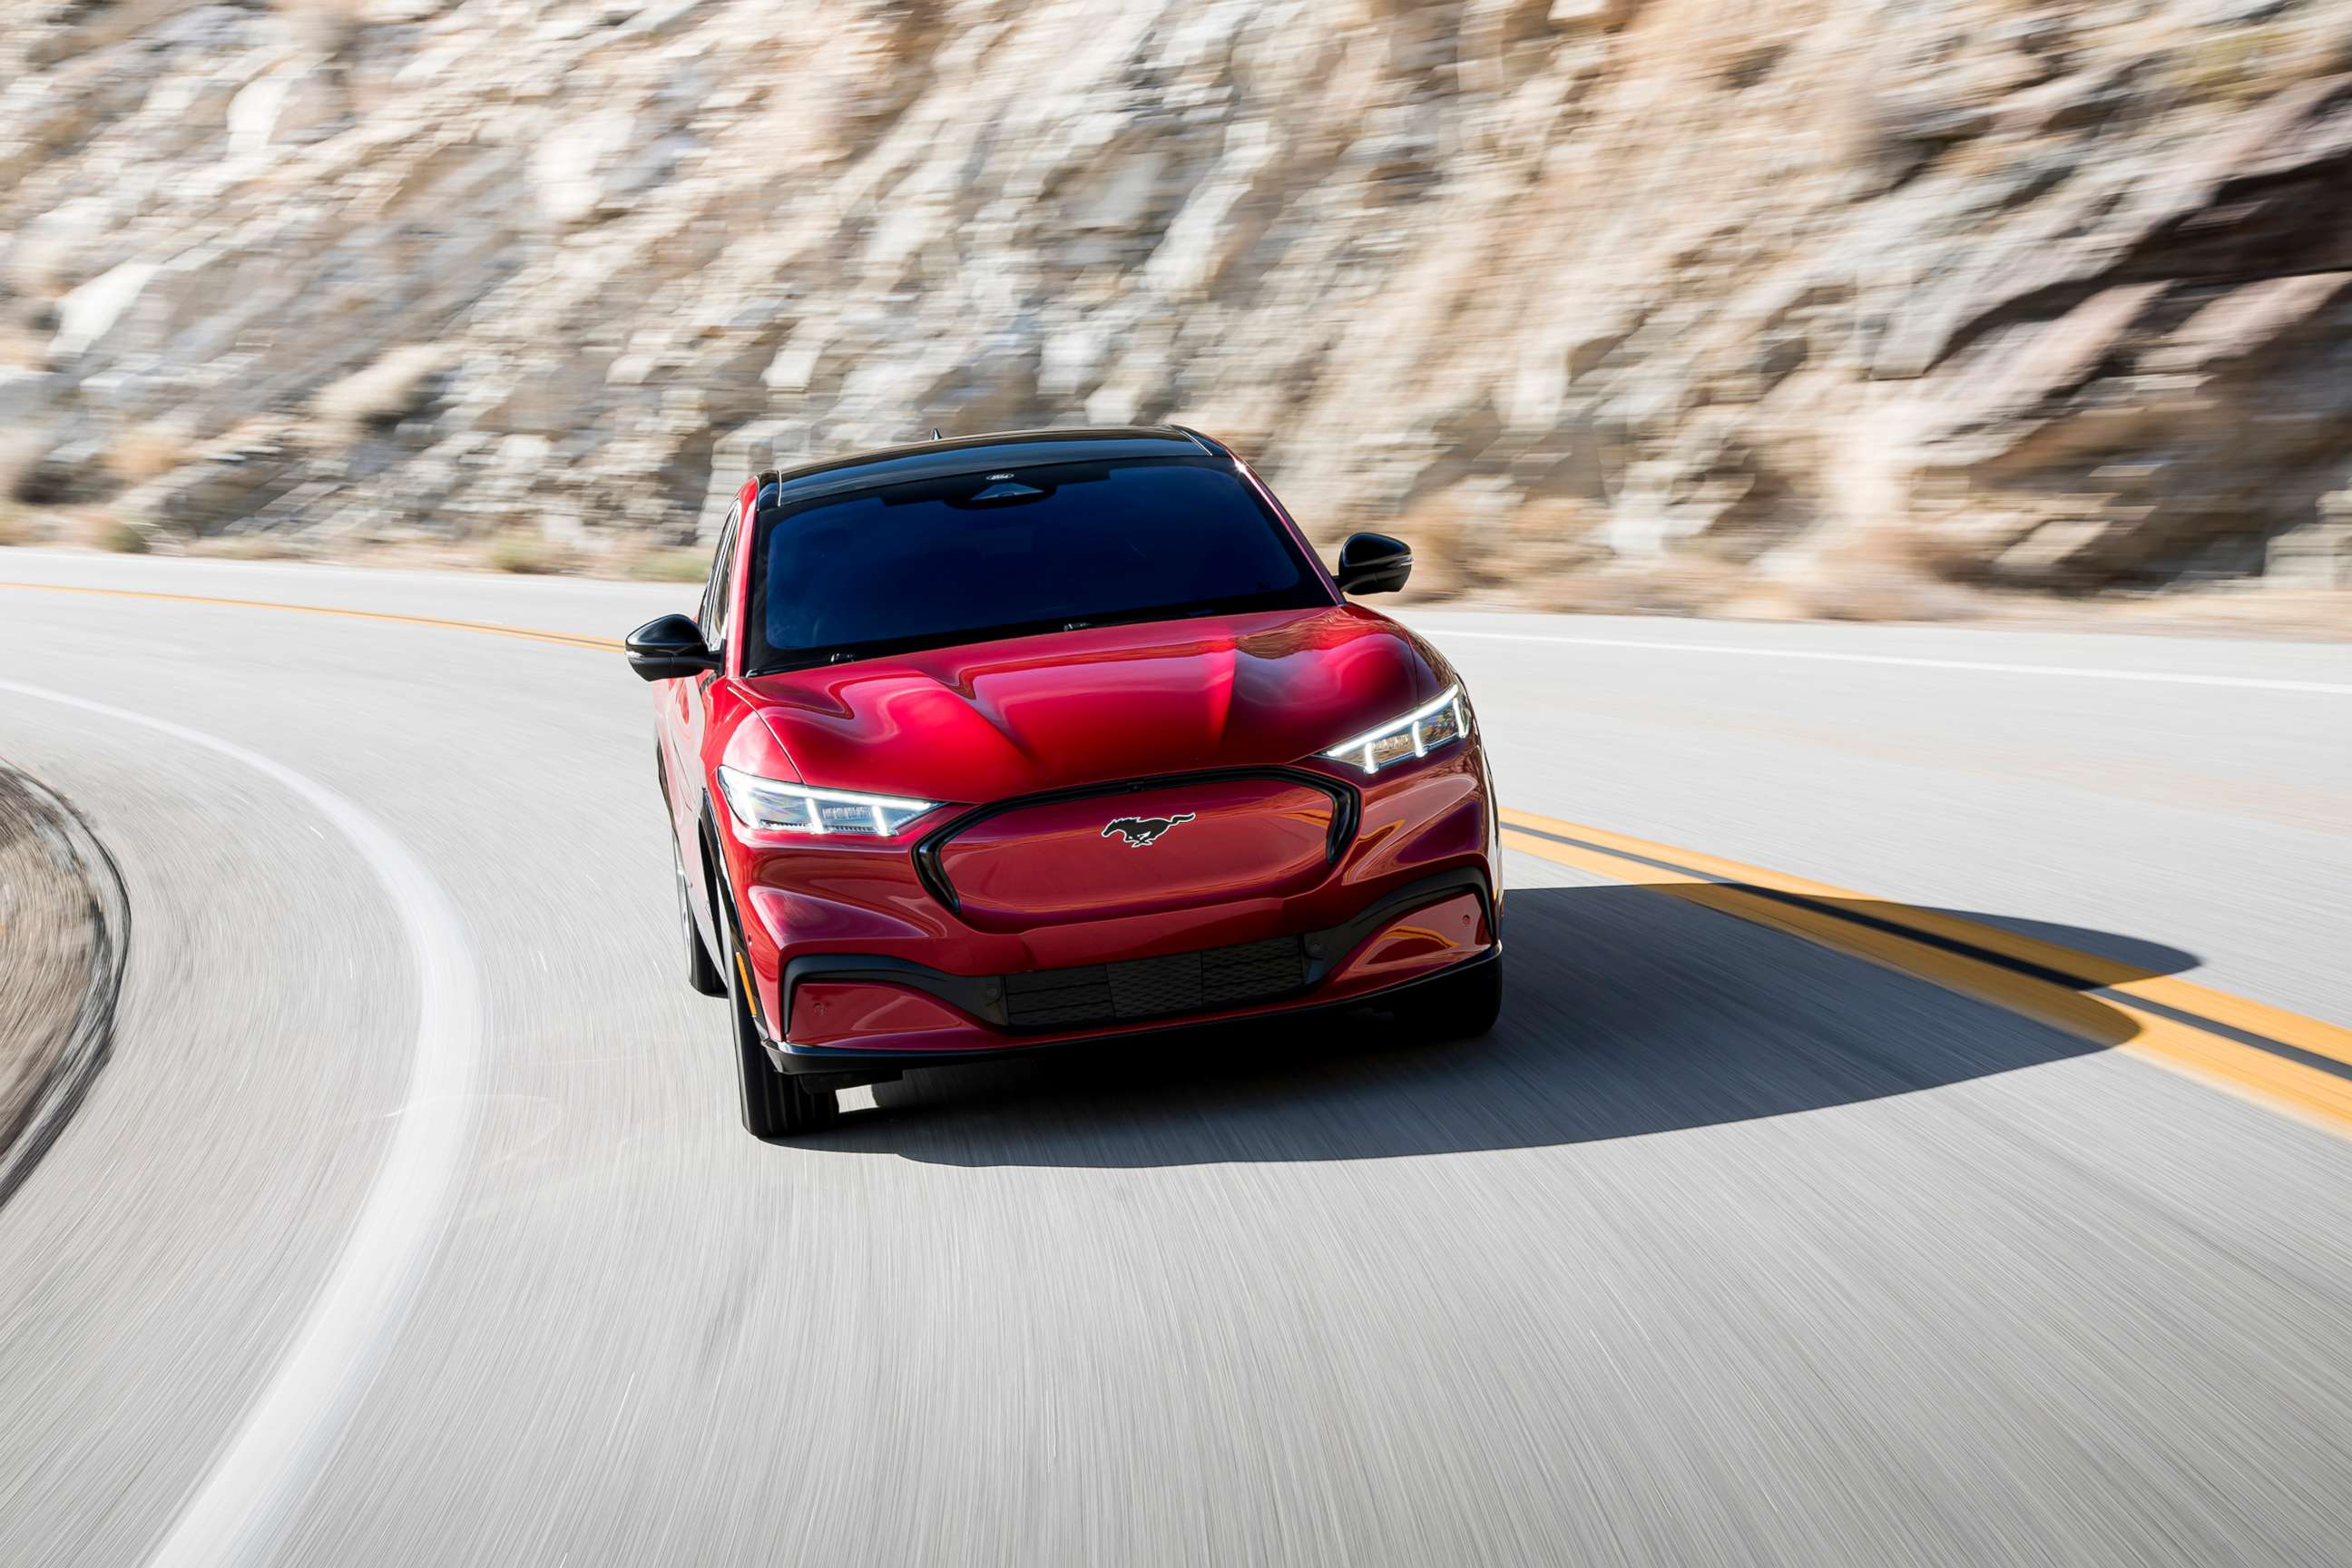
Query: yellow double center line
x: 528, y: 634
x: 2279, y: 1058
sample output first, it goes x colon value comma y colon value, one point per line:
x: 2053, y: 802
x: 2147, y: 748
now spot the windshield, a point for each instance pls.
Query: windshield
x: 1015, y: 551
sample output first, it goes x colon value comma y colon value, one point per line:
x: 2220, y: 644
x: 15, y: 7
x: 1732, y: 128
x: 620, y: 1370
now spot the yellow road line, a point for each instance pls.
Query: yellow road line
x: 2304, y: 1033
x: 531, y: 634
x: 2109, y: 1019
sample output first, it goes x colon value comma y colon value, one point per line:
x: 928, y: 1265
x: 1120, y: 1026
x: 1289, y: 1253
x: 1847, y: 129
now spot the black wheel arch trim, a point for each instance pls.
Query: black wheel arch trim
x: 727, y: 912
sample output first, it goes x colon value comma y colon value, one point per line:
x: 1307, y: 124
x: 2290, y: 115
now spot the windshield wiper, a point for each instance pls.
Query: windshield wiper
x: 810, y: 659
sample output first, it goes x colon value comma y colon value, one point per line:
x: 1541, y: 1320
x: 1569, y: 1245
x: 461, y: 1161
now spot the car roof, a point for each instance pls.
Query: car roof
x: 976, y: 454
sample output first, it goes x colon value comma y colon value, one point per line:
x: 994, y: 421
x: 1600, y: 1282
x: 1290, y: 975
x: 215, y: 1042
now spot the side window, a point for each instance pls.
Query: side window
x: 722, y: 612
x: 713, y: 615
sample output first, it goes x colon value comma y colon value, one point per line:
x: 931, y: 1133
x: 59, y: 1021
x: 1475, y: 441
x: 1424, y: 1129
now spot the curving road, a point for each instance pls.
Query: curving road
x: 1780, y: 1221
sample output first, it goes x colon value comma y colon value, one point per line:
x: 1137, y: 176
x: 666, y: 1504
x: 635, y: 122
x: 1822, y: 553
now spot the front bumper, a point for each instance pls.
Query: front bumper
x: 1400, y: 945
x: 858, y: 954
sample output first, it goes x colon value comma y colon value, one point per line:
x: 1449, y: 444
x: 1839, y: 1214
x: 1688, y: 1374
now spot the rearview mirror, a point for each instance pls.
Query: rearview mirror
x: 1373, y: 563
x: 669, y: 648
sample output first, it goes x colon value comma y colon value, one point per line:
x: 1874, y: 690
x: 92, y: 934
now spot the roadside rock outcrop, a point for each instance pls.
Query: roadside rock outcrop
x: 1606, y: 302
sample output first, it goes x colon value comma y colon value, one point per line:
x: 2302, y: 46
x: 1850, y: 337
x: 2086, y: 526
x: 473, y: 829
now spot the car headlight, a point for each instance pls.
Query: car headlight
x: 1439, y: 721
x: 772, y: 805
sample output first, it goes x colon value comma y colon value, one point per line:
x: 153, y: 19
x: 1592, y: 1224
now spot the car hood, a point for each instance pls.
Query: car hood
x: 984, y: 721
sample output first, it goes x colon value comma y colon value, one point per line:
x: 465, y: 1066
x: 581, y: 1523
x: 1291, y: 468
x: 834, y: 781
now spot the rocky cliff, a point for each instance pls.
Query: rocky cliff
x: 1602, y: 301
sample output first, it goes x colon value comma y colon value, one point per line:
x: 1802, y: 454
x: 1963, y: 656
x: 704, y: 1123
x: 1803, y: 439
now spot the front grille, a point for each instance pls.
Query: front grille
x: 1201, y: 981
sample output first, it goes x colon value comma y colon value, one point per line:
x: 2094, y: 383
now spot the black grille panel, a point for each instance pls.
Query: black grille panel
x: 1202, y: 982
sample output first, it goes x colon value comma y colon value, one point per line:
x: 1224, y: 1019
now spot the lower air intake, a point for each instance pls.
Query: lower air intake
x: 1204, y: 981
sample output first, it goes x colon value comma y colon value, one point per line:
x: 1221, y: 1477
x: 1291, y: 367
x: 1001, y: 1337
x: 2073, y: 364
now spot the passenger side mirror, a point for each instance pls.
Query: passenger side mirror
x: 1373, y: 563
x: 668, y: 648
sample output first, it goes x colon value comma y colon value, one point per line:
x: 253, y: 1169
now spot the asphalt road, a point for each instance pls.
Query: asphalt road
x: 411, y: 1222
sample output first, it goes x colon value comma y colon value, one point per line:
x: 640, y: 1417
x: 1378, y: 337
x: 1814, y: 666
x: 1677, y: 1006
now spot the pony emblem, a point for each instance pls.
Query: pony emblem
x: 1140, y: 831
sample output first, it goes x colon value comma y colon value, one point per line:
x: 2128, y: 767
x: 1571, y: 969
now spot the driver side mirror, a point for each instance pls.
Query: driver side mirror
x: 669, y: 648
x: 1373, y: 563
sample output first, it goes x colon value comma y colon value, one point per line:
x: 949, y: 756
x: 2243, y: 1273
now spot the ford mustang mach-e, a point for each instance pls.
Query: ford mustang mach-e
x: 987, y: 744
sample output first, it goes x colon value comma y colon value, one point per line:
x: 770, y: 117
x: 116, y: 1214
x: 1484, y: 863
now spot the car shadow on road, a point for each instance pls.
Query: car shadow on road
x: 1627, y: 1014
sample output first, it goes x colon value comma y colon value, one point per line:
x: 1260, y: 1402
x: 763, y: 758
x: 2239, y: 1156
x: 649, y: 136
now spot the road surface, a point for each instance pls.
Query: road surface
x: 410, y: 1221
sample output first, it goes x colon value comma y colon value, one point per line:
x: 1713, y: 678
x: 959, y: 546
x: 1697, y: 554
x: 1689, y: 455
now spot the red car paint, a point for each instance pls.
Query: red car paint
x: 1227, y: 840
x: 1044, y: 885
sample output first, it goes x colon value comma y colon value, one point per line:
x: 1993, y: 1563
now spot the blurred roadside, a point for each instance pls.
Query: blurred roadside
x: 64, y: 916
x: 1954, y: 308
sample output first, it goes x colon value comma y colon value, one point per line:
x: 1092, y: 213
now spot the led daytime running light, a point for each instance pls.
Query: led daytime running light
x: 1361, y: 750
x: 754, y: 801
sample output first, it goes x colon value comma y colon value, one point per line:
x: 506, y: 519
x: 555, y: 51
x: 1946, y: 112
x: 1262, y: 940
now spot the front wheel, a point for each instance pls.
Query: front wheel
x: 1462, y: 1005
x: 775, y: 1105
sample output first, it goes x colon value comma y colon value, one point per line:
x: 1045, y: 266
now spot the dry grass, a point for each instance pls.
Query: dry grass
x: 20, y: 455
x: 1676, y: 585
x: 21, y: 349
x: 1479, y: 544
x: 386, y: 392
x: 527, y: 553
x: 123, y: 537
x: 249, y: 547
x: 98, y: 528
x: 325, y: 25
x: 685, y: 564
x: 149, y: 450
x: 2240, y: 64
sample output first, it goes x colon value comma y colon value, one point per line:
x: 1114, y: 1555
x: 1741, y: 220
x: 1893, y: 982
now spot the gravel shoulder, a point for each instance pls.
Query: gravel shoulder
x: 63, y: 921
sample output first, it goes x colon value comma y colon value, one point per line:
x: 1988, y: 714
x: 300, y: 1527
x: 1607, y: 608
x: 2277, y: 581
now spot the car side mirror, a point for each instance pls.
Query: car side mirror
x: 669, y: 648
x: 1373, y: 563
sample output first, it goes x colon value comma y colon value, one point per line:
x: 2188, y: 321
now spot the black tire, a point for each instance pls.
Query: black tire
x: 774, y: 1104
x: 1458, y: 1006
x: 700, y: 972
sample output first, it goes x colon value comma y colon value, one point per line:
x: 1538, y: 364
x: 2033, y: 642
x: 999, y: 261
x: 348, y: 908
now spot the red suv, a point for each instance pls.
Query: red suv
x: 994, y: 744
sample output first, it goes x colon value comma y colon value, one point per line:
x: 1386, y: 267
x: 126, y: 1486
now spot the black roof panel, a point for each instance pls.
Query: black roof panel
x: 975, y: 454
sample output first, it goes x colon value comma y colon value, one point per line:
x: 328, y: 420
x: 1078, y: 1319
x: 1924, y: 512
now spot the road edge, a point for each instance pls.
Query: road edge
x: 88, y: 1039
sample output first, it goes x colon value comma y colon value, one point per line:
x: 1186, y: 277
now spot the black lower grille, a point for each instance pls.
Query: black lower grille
x: 1201, y: 981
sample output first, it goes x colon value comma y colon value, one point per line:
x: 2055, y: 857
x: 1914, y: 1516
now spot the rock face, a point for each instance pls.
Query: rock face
x: 1664, y: 299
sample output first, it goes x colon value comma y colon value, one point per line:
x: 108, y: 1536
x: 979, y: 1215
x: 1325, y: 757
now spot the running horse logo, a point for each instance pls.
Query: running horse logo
x: 1140, y: 831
